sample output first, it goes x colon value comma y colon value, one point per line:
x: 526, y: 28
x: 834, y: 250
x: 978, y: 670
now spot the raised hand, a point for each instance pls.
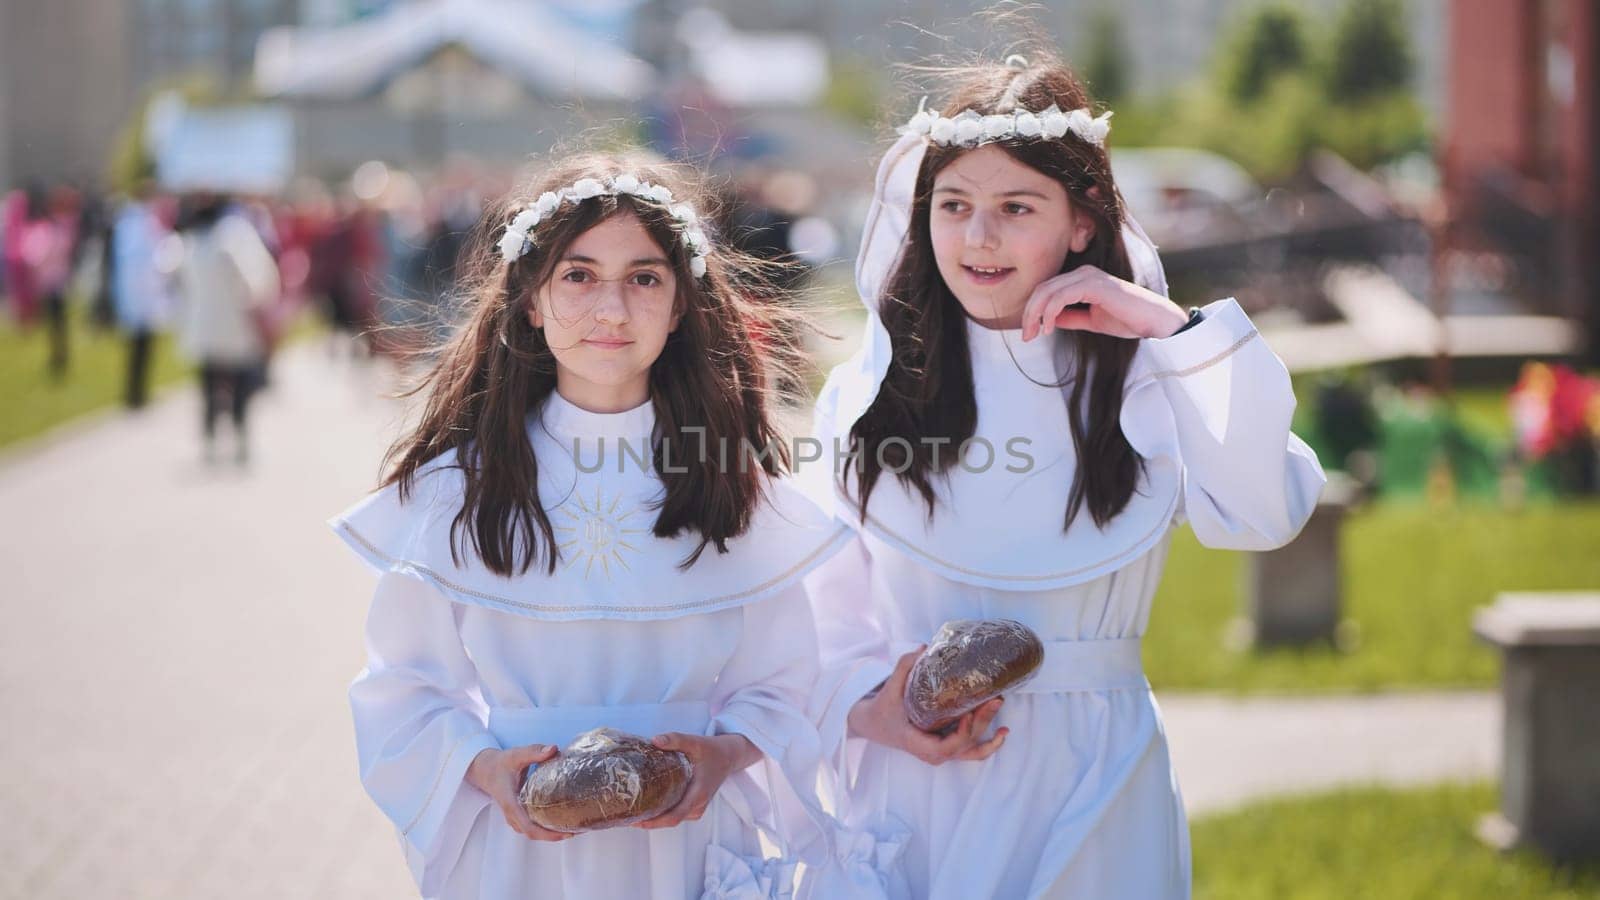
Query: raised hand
x: 1090, y: 299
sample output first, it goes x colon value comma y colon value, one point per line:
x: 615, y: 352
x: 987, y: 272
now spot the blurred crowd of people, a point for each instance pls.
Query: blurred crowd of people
x: 227, y: 276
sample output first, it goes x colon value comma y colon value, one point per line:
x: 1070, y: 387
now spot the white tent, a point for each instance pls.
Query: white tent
x: 520, y: 39
x: 754, y: 68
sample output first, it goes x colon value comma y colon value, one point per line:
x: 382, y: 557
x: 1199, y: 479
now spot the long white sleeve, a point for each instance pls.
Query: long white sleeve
x: 852, y: 645
x: 419, y: 724
x: 1219, y: 400
x: 855, y: 658
x: 761, y: 693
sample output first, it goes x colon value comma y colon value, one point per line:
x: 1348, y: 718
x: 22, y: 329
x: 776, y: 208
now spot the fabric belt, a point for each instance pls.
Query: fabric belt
x: 516, y: 726
x: 1099, y: 665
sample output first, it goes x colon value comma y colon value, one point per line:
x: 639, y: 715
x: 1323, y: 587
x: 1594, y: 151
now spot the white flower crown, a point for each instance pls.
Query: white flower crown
x: 970, y: 129
x: 517, y: 239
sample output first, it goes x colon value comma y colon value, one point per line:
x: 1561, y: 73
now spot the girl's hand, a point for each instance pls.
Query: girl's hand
x: 714, y: 759
x: 498, y: 773
x: 881, y: 718
x: 1113, y: 306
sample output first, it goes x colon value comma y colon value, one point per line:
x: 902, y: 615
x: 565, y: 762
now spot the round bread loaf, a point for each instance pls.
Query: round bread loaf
x: 968, y: 663
x: 605, y: 779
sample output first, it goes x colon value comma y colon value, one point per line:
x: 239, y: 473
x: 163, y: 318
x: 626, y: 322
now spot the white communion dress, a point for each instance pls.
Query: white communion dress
x: 461, y: 659
x: 1081, y: 800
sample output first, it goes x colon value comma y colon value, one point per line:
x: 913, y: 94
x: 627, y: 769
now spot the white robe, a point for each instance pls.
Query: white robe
x: 460, y: 660
x: 1081, y: 801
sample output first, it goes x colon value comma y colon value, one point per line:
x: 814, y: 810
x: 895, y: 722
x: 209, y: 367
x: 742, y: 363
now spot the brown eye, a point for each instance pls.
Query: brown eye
x: 647, y: 279
x: 576, y: 276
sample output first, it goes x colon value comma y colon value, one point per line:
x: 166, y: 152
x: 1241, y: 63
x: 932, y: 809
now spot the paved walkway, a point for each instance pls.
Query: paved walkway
x: 1229, y: 751
x: 178, y: 638
x: 176, y: 648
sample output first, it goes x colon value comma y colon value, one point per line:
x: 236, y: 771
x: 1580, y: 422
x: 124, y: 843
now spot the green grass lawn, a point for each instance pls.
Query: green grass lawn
x: 31, y: 401
x: 1412, y: 578
x: 1371, y: 843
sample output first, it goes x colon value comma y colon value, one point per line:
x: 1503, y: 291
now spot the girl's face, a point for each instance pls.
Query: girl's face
x: 999, y: 228
x: 606, y: 312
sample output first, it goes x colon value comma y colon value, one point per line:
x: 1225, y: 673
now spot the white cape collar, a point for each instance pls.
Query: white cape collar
x: 1000, y: 525
x: 603, y: 510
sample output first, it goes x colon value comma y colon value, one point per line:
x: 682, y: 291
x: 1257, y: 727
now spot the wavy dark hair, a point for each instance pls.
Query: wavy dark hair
x: 716, y: 372
x: 928, y: 391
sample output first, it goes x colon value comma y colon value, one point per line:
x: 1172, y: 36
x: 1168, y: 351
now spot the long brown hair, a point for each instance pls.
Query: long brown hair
x: 715, y: 373
x: 928, y: 391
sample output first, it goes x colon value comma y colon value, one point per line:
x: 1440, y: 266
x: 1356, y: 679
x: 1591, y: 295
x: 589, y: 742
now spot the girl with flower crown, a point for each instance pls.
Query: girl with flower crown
x: 558, y: 550
x: 1027, y: 420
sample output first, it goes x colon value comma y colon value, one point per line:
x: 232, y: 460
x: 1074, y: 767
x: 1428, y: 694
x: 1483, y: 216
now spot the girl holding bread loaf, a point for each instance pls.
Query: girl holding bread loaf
x: 1026, y: 421
x: 584, y: 531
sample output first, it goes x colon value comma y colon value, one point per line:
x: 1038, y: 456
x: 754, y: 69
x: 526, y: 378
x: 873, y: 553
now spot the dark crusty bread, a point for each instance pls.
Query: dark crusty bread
x: 968, y: 663
x: 605, y: 779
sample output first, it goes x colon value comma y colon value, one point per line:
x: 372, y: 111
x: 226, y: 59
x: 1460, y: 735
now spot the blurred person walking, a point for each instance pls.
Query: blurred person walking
x: 39, y: 236
x: 343, y: 257
x: 226, y: 281
x: 139, y: 292
x: 20, y: 291
x: 53, y: 246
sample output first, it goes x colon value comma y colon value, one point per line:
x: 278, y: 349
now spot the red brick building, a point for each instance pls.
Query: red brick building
x: 1521, y: 141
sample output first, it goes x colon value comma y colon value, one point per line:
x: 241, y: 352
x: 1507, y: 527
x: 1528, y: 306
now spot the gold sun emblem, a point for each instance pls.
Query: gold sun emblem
x: 595, y: 534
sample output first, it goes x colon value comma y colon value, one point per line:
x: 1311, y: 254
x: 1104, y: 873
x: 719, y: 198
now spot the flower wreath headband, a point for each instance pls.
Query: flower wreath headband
x: 969, y: 129
x: 518, y: 238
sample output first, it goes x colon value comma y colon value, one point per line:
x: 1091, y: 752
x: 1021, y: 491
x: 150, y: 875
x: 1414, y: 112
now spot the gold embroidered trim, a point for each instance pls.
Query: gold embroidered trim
x: 1198, y: 367
x: 909, y: 547
x: 543, y: 608
x: 438, y: 777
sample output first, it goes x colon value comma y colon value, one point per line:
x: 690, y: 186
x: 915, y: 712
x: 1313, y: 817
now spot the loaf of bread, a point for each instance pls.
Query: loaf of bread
x: 968, y: 663
x: 605, y: 779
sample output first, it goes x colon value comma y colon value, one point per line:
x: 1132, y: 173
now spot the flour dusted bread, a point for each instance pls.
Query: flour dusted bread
x: 605, y: 779
x: 969, y: 662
